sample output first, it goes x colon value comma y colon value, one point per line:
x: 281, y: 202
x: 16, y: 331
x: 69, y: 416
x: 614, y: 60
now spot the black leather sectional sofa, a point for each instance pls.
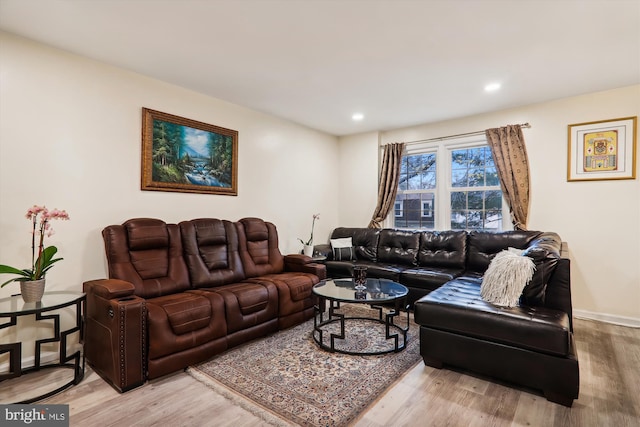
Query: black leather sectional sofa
x: 425, y: 260
x: 531, y: 344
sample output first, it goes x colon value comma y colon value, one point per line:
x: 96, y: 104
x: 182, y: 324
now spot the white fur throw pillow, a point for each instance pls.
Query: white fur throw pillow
x: 506, y: 277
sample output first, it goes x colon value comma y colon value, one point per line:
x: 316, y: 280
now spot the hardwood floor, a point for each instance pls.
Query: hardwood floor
x: 609, y: 358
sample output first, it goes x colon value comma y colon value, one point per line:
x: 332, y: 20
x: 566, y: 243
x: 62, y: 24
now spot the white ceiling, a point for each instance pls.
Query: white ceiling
x: 317, y: 62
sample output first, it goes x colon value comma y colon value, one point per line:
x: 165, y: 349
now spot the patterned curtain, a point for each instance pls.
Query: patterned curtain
x: 510, y: 157
x: 388, y: 187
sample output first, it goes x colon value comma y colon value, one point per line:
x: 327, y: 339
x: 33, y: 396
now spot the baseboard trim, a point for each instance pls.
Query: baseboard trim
x: 631, y: 322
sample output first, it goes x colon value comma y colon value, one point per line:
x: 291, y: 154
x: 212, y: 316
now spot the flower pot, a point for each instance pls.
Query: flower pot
x: 308, y: 250
x: 32, y: 291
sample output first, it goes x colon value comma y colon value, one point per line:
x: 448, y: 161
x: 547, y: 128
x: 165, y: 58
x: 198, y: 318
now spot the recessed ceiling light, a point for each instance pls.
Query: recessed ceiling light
x: 492, y: 87
x: 357, y: 117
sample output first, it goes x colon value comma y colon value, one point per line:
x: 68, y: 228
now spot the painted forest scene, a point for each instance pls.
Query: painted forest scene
x: 185, y: 155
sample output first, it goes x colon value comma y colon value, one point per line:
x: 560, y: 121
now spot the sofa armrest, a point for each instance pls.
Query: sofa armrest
x: 545, y: 253
x: 109, y: 288
x: 304, y: 264
x: 558, y: 295
x: 115, y: 332
x: 546, y: 245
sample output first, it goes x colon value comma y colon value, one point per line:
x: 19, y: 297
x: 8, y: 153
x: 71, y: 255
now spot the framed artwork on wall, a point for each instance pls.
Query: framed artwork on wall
x: 188, y: 156
x: 602, y: 150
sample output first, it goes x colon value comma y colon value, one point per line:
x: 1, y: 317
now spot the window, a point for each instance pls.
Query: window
x: 416, y: 190
x: 450, y: 185
x: 427, y: 209
x: 397, y: 207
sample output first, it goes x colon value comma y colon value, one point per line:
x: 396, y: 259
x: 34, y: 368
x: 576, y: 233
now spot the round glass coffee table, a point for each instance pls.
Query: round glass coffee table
x: 388, y: 298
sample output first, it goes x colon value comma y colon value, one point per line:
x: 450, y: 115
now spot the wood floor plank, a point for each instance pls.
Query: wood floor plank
x: 609, y: 358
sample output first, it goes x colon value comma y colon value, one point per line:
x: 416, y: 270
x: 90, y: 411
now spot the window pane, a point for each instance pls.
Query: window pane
x: 475, y: 220
x: 459, y: 178
x: 428, y: 180
x: 493, y: 220
x: 476, y: 178
x: 489, y: 159
x: 402, y: 185
x: 476, y: 157
x: 458, y: 220
x: 493, y: 199
x: 459, y: 159
x: 458, y: 200
x: 492, y: 177
x: 414, y: 182
x: 474, y: 200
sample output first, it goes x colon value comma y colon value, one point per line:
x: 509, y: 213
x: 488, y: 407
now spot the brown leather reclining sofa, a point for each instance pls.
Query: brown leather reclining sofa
x: 177, y: 294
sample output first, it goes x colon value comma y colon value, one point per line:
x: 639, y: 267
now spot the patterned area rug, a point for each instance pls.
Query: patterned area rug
x: 286, y: 379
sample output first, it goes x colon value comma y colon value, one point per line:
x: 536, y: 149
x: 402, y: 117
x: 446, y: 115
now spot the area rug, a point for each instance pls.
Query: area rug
x: 286, y: 379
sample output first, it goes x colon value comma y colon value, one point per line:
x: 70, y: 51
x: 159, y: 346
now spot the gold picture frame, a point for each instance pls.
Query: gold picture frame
x: 602, y: 150
x: 187, y: 156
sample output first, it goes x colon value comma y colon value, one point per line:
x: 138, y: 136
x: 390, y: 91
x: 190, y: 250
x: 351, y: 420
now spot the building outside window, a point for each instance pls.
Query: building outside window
x: 450, y: 185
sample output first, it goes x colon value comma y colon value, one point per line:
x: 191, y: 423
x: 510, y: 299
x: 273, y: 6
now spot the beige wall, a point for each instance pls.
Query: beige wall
x: 358, y: 187
x: 70, y: 138
x: 600, y: 220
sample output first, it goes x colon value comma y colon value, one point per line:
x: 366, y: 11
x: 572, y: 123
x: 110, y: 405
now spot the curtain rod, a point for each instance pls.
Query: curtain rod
x: 442, y: 138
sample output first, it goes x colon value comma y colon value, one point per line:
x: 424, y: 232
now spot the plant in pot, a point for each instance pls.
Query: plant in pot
x: 32, y: 279
x: 308, y: 245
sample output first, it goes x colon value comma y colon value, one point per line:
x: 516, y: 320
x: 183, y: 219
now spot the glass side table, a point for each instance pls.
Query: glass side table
x: 13, y: 307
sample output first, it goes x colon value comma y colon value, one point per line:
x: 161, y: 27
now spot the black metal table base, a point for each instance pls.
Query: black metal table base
x: 392, y: 331
x: 74, y: 360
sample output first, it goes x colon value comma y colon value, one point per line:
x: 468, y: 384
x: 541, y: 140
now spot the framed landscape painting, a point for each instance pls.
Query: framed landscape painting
x: 188, y: 156
x: 601, y: 150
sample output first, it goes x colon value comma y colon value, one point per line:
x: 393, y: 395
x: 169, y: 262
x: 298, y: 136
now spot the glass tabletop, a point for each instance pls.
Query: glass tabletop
x: 50, y: 300
x: 377, y: 291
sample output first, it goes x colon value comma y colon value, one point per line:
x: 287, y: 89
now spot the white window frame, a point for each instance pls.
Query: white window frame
x: 444, y: 187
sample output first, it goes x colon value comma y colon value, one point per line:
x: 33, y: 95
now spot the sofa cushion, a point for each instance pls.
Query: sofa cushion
x: 339, y: 268
x: 176, y: 322
x: 211, y: 252
x: 428, y: 278
x: 381, y: 270
x: 156, y: 266
x: 249, y: 303
x: 398, y: 247
x: 186, y: 311
x: 258, y: 247
x: 484, y: 245
x: 457, y: 307
x: 295, y: 286
x: 295, y: 299
x: 443, y: 249
x: 147, y: 234
x: 365, y: 241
